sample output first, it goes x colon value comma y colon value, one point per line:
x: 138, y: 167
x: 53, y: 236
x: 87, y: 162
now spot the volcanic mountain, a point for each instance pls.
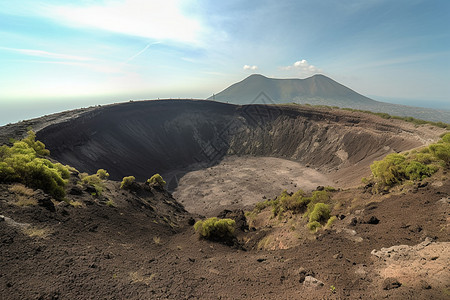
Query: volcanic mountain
x: 316, y: 90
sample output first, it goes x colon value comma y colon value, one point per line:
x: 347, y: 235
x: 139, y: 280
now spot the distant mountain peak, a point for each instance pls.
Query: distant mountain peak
x: 318, y: 89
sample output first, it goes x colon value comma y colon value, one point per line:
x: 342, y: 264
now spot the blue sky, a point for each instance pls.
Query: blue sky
x: 56, y: 55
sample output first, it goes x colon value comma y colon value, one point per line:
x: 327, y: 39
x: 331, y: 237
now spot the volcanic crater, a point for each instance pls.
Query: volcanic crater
x: 219, y: 158
x: 216, y: 155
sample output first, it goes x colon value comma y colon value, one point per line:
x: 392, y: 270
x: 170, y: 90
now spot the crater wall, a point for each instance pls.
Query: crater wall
x: 163, y: 136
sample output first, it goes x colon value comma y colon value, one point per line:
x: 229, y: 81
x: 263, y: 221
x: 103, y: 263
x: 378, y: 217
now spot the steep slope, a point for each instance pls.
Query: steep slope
x: 143, y: 138
x: 316, y: 90
x: 144, y: 248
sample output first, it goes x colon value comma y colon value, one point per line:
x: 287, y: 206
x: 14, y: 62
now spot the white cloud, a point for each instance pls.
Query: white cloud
x: 302, y: 67
x: 252, y: 68
x: 45, y: 54
x: 161, y: 20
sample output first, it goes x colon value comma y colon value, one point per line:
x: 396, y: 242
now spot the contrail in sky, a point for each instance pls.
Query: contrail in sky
x: 140, y: 52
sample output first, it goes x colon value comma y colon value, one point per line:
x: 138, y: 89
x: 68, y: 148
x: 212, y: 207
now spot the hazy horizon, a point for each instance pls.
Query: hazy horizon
x: 16, y: 113
x: 57, y: 55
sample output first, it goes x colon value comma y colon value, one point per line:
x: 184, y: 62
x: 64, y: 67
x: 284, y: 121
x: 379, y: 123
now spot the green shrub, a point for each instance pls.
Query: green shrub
x: 314, y: 226
x: 424, y: 158
x: 294, y: 203
x: 95, y: 180
x: 418, y: 171
x: 156, y: 180
x: 63, y: 170
x: 441, y: 151
x: 331, y: 221
x: 102, y: 174
x: 127, y: 182
x: 416, y: 165
x: 320, y: 213
x: 215, y: 229
x: 446, y: 138
x: 390, y: 170
x: 38, y: 146
x: 262, y: 205
x: 23, y: 162
x: 330, y: 189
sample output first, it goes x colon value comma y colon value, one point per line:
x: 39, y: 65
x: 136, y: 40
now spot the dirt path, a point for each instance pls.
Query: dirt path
x: 239, y: 182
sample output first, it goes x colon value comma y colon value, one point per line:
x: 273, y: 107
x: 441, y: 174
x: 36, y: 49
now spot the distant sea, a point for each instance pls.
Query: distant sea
x: 427, y: 103
x: 12, y: 112
x: 15, y: 111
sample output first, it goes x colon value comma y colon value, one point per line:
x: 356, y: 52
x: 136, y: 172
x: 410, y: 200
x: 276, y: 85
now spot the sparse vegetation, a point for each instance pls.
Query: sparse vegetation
x: 314, y: 207
x: 127, y: 182
x: 76, y: 204
x: 95, y: 180
x: 24, y: 162
x: 156, y: 181
x: 330, y: 222
x: 330, y: 189
x: 215, y: 229
x: 314, y: 226
x: 320, y: 213
x: 35, y: 232
x: 20, y: 189
x: 406, y: 119
x: 25, y: 201
x: 415, y: 165
x: 102, y: 174
x: 138, y: 277
x: 294, y: 203
x: 385, y: 116
x: 110, y: 203
x: 333, y: 289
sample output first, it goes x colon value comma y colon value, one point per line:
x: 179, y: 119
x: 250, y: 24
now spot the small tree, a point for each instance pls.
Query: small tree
x: 102, y: 174
x: 156, y: 181
x: 127, y: 182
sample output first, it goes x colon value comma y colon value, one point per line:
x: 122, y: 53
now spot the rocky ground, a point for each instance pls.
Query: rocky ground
x: 144, y: 247
x: 241, y: 182
x: 141, y: 244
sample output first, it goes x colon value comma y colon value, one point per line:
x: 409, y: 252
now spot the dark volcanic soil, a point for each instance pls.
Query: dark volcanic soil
x: 144, y: 249
x: 176, y: 137
x: 141, y: 244
x: 169, y: 136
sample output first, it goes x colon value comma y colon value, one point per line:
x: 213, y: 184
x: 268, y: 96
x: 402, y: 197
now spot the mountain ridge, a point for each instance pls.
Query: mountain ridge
x: 317, y: 90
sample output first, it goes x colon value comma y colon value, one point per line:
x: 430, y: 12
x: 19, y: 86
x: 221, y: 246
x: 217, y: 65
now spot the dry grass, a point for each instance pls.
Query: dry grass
x: 138, y: 277
x: 20, y: 189
x: 25, y: 201
x: 157, y: 240
x: 24, y: 195
x: 36, y: 232
x: 76, y: 204
x: 264, y: 244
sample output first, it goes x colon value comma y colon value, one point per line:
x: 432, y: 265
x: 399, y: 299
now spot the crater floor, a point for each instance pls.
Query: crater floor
x: 240, y: 182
